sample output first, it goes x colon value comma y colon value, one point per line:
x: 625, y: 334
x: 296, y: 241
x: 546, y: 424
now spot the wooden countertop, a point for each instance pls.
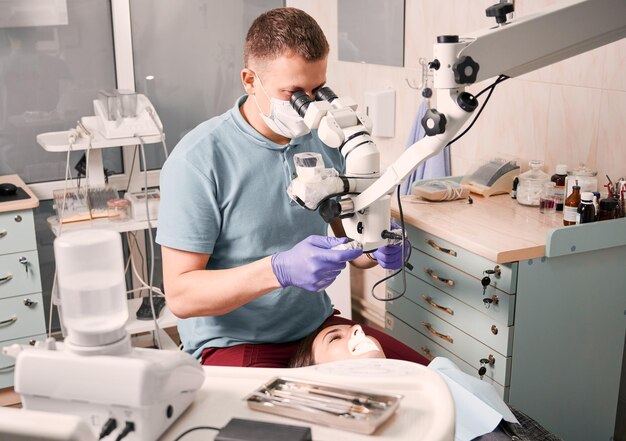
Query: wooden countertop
x: 21, y: 204
x: 497, y: 228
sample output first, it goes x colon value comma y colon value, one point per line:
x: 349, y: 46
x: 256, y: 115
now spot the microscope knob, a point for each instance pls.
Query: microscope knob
x: 499, y: 11
x: 434, y: 123
x: 330, y: 209
x: 467, y: 102
x: 465, y: 70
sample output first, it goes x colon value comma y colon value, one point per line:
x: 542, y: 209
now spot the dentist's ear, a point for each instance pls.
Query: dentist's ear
x: 247, y: 80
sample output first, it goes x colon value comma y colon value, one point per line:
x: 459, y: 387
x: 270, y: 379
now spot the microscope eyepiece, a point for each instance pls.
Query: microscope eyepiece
x: 300, y: 102
x: 325, y: 94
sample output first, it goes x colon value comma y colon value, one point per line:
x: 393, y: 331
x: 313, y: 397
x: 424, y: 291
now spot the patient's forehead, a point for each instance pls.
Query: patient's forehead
x: 330, y: 329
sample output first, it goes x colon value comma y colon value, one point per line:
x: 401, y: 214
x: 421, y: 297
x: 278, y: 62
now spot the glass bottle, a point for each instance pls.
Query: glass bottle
x: 570, y: 206
x: 559, y: 180
x: 548, y: 198
x: 582, y: 176
x: 609, y: 209
x: 531, y: 184
x: 586, y: 211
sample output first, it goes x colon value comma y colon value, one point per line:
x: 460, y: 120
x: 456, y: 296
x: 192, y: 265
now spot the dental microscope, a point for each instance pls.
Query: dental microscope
x: 361, y: 197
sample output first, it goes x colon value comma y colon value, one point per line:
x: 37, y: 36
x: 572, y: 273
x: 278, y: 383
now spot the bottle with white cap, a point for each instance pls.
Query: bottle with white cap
x: 586, y: 209
x: 559, y: 190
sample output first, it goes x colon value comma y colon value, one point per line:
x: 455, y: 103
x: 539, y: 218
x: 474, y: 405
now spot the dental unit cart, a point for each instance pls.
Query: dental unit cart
x: 534, y: 308
x: 426, y: 411
x: 21, y: 304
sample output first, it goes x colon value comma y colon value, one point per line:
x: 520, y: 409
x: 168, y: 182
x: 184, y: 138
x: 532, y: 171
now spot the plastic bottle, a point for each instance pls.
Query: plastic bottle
x: 586, y: 211
x: 570, y: 206
x: 559, y: 190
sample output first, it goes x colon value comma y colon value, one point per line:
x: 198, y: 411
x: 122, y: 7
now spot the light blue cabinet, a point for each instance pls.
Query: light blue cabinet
x: 549, y: 333
x: 21, y: 304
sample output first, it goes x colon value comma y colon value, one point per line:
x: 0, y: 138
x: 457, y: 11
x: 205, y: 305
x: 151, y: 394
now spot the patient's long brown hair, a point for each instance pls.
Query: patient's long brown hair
x: 303, y: 356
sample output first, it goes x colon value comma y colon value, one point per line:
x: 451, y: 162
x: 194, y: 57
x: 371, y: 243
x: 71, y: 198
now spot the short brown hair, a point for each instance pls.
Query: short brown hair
x: 285, y: 29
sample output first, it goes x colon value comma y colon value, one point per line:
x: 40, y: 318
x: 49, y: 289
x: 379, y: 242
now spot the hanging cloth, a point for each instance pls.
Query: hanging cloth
x: 437, y: 166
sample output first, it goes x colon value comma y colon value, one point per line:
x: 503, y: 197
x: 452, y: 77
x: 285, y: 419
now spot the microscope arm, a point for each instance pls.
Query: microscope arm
x: 518, y: 47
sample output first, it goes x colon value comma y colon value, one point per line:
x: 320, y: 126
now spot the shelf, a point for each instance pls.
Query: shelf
x: 133, y: 326
x: 58, y: 141
x: 120, y: 227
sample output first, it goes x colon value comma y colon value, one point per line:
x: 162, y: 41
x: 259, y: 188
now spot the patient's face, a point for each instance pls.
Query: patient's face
x: 344, y: 342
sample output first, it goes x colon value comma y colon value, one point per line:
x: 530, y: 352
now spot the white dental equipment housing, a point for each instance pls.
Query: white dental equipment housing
x: 513, y: 48
x: 125, y: 114
x: 96, y: 374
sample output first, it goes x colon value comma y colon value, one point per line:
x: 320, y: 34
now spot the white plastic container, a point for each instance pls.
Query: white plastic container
x: 92, y: 288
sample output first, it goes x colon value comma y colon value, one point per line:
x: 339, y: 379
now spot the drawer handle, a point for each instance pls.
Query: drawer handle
x: 429, y: 356
x: 7, y: 368
x: 433, y: 244
x: 9, y: 321
x: 430, y: 329
x: 6, y: 278
x: 448, y: 282
x: 429, y: 300
x: 3, y: 233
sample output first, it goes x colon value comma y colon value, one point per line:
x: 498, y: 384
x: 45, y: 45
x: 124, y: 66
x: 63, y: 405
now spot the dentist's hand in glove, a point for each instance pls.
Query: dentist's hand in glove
x: 390, y: 256
x: 311, y: 264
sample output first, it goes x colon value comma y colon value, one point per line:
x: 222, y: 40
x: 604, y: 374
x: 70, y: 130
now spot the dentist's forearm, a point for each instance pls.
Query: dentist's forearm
x: 216, y: 292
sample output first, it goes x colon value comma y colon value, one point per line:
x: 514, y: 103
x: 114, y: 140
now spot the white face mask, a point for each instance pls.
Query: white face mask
x: 359, y: 343
x: 283, y: 119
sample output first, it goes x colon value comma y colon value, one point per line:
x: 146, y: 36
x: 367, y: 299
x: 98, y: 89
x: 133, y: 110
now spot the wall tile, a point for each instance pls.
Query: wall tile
x: 613, y: 77
x: 573, y: 120
x: 611, y: 156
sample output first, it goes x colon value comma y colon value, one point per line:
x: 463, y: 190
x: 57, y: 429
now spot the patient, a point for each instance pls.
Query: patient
x: 335, y: 342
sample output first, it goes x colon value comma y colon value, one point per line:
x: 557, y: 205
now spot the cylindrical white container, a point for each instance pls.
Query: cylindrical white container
x: 92, y: 288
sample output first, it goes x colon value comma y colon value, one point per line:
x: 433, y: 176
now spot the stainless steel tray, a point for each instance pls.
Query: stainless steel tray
x: 356, y: 410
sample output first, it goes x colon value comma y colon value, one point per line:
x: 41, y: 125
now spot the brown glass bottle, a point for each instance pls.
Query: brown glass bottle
x: 559, y: 190
x: 570, y: 206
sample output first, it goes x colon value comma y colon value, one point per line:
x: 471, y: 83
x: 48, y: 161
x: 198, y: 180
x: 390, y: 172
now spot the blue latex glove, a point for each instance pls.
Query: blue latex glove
x: 311, y: 264
x: 390, y: 256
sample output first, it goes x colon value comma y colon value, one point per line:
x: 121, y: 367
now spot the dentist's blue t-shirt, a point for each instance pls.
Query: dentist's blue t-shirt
x: 224, y: 193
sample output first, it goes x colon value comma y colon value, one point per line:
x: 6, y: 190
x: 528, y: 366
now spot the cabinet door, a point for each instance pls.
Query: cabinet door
x: 17, y: 232
x: 19, y: 274
x: 429, y: 349
x: 21, y: 316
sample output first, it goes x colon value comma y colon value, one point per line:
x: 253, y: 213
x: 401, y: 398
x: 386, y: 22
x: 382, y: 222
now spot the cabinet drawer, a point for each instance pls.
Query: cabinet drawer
x: 14, y: 278
x: 17, y: 231
x: 453, y: 339
x: 484, y: 328
x: 18, y: 320
x: 462, y: 286
x: 464, y: 260
x: 7, y: 364
x: 429, y: 349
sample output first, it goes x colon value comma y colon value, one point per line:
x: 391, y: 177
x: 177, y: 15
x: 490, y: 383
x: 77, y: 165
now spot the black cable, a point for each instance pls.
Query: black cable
x: 128, y: 427
x: 404, y: 260
x: 197, y: 428
x: 109, y: 426
x: 489, y: 88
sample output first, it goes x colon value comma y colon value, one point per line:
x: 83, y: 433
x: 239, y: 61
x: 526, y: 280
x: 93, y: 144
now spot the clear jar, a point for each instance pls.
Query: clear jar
x: 587, y: 180
x: 118, y: 209
x: 531, y: 184
x: 548, y: 199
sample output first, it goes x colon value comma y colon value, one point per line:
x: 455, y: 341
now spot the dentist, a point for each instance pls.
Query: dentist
x: 244, y: 267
